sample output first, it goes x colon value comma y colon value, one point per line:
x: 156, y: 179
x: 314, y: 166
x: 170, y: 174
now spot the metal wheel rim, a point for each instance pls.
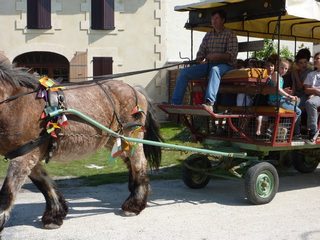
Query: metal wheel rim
x: 265, y: 184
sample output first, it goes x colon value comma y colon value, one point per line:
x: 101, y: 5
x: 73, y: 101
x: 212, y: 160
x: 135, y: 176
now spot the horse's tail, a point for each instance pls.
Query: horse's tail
x: 152, y: 133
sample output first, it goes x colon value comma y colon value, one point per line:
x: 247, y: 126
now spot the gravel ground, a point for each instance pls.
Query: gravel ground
x: 175, y: 212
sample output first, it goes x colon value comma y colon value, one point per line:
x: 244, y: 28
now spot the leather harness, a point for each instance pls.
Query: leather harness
x: 56, y: 99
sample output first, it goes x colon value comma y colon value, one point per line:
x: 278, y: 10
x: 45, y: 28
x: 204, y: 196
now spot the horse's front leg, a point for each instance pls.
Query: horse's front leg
x: 18, y: 170
x: 56, y: 206
x: 138, y: 183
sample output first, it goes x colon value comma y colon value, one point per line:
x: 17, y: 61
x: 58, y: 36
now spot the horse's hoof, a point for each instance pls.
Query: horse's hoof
x: 3, y: 219
x: 51, y: 226
x: 129, y: 214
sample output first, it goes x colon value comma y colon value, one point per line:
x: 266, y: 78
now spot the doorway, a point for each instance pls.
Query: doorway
x: 50, y: 64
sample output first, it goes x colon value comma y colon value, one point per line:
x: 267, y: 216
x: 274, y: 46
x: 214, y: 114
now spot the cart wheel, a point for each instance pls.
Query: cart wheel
x: 196, y: 179
x: 261, y: 183
x: 304, y: 163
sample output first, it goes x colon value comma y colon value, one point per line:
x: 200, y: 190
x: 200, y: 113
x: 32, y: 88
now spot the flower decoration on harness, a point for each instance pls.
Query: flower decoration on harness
x: 121, y: 145
x: 54, y: 100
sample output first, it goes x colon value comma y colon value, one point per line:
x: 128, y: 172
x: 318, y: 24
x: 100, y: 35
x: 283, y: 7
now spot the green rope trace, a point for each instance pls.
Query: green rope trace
x: 148, y: 142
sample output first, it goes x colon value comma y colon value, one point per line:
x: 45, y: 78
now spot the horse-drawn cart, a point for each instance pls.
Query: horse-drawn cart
x: 54, y: 122
x: 232, y: 128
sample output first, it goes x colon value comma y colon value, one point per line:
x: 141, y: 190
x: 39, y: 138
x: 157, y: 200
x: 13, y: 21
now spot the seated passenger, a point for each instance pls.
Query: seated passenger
x: 299, y: 73
x: 263, y: 99
x: 285, y: 100
x: 217, y: 53
x: 242, y: 98
x: 312, y: 88
x: 240, y: 64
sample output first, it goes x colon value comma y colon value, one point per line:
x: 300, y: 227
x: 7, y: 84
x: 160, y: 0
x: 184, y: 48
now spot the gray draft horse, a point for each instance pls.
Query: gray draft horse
x: 109, y: 102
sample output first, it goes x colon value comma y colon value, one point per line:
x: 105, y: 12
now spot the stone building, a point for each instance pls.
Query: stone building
x: 76, y: 39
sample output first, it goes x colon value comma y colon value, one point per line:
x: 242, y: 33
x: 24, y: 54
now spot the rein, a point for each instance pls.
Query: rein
x: 11, y: 98
x: 97, y: 79
x: 118, y: 75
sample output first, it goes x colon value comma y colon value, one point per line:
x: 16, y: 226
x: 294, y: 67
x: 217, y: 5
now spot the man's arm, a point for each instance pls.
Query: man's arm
x: 296, y: 79
x: 232, y: 47
x: 219, y: 57
x: 230, y: 55
x: 309, y: 90
x: 201, y: 54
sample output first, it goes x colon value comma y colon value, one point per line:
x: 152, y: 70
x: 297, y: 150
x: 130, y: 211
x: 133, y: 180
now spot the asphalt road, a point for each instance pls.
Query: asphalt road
x: 175, y: 212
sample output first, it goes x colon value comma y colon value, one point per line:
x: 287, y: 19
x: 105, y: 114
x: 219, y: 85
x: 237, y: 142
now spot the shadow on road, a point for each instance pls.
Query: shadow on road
x: 86, y: 201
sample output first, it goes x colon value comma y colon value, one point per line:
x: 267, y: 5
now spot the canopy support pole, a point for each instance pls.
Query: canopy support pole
x: 277, y: 30
x: 191, y: 43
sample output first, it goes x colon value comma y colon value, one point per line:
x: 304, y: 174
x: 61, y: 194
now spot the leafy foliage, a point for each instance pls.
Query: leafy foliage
x: 271, y: 48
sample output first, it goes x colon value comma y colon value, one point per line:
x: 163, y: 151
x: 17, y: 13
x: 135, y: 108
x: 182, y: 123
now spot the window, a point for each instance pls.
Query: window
x: 39, y: 14
x: 102, y: 66
x: 102, y: 14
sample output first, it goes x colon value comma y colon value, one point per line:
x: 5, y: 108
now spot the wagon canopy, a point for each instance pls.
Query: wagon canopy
x: 300, y: 19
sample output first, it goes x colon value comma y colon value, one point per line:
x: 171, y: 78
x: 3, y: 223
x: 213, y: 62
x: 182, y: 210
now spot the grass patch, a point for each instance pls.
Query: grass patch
x: 115, y: 170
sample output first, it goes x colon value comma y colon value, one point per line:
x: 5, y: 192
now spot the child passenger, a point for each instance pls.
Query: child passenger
x: 269, y: 65
x: 286, y: 100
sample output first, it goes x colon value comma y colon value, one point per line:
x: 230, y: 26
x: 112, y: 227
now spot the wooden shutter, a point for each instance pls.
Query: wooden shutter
x: 102, y: 66
x: 78, y: 67
x: 102, y: 14
x: 39, y: 14
x: 32, y: 20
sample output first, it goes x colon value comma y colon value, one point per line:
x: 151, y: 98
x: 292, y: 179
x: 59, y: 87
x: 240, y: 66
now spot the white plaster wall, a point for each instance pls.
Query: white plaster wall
x: 132, y: 44
x: 138, y: 41
x: 316, y: 48
x: 65, y: 36
x: 177, y: 37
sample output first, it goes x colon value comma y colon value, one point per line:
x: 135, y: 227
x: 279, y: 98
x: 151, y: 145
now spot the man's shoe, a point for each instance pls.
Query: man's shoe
x: 297, y: 137
x: 310, y: 141
x: 313, y: 137
x: 209, y: 106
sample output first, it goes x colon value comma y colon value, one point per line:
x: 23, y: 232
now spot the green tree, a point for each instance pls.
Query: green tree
x: 271, y: 48
x: 286, y: 53
x: 267, y: 50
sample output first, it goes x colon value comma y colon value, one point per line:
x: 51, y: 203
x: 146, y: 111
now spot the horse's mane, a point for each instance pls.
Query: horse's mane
x: 17, y: 76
